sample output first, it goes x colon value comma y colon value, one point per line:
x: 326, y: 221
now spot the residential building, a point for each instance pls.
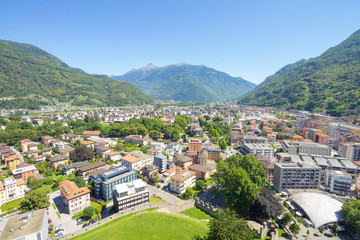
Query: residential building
x: 46, y: 151
x: 11, y: 188
x: 160, y: 160
x: 74, y: 199
x: 86, y: 170
x: 314, y: 149
x: 145, y: 159
x: 105, y: 182
x: 27, y: 226
x: 46, y: 139
x: 70, y: 168
x: 183, y: 161
x: 290, y: 147
x: 296, y: 176
x: 58, y: 160
x: 112, y: 156
x: 182, y: 180
x: 268, y: 166
x: 264, y: 149
x: 101, y: 150
x: 339, y: 182
x: 39, y: 158
x: 195, y: 130
x: 66, y: 151
x: 321, y: 138
x: 24, y: 171
x: 194, y: 145
x: 138, y: 139
x: 91, y: 133
x: 29, y: 146
x: 353, y: 152
x: 252, y: 139
x: 201, y: 171
x: 213, y: 153
x: 170, y: 172
x: 130, y: 194
x: 58, y: 145
x: 12, y: 161
x: 235, y: 139
x: 150, y: 171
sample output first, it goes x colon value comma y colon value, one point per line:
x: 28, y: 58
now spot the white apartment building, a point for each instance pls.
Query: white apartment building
x: 137, y: 160
x: 130, y: 194
x: 314, y: 149
x: 75, y: 199
x: 264, y: 149
x: 339, y: 182
x: 353, y: 152
x: 11, y: 189
x: 182, y: 180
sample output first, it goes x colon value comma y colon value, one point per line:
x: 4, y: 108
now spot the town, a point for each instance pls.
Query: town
x: 66, y: 173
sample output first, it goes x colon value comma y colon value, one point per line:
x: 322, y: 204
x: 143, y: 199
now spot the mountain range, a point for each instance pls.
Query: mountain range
x: 330, y: 82
x: 31, y: 77
x: 185, y: 82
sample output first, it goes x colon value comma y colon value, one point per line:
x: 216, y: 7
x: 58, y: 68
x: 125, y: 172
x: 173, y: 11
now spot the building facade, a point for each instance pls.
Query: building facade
x: 74, y: 199
x: 130, y: 194
x: 160, y: 160
x: 339, y: 182
x: 11, y: 189
x: 182, y: 180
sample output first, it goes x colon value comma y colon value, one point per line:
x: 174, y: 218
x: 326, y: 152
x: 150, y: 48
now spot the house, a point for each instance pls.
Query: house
x: 138, y: 139
x: 24, y: 171
x: 12, y: 161
x: 59, y: 145
x: 74, y: 199
x: 11, y: 188
x: 203, y: 156
x: 182, y: 180
x: 39, y: 158
x: 46, y: 151
x: 160, y: 160
x: 85, y: 170
x: 31, y: 154
x: 183, y: 161
x: 214, y: 153
x: 70, y: 168
x: 28, y: 146
x: 66, y: 151
x: 130, y: 194
x: 46, y: 139
x: 202, y: 171
x: 170, y: 172
x: 235, y: 139
x: 195, y: 130
x: 267, y: 165
x: 101, y: 150
x: 89, y: 144
x: 137, y: 160
x: 27, y: 226
x: 173, y: 146
x: 150, y: 171
x: 58, y: 160
x: 91, y: 133
x: 112, y: 156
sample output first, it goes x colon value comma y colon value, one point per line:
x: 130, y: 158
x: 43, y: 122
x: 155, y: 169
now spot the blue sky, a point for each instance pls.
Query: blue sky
x: 251, y: 39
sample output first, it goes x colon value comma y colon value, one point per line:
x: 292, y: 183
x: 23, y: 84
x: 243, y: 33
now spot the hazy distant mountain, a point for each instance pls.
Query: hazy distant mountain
x: 185, y: 82
x: 330, y: 81
x: 30, y: 77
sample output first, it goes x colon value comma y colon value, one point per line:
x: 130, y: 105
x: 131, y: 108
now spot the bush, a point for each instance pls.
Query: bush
x: 88, y: 212
x: 200, y: 185
x: 287, y: 218
x: 294, y: 228
x: 189, y: 193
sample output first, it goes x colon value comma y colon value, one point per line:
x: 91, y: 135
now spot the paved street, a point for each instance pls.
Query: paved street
x: 18, y: 153
x: 164, y: 195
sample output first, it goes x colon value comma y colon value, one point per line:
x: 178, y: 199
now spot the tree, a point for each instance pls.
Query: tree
x: 350, y: 212
x: 265, y: 206
x: 239, y: 179
x: 294, y: 228
x: 34, y: 200
x: 154, y: 134
x: 81, y: 153
x: 189, y: 193
x: 287, y: 218
x: 79, y: 181
x: 222, y: 144
x: 200, y: 185
x: 175, y: 135
x: 88, y: 212
x: 227, y: 226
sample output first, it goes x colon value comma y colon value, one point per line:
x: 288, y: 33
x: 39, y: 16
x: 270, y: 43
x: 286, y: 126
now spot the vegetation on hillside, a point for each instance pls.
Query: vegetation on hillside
x: 184, y: 82
x: 330, y: 81
x: 31, y: 77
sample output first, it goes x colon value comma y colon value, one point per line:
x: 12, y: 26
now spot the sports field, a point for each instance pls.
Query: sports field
x: 148, y: 226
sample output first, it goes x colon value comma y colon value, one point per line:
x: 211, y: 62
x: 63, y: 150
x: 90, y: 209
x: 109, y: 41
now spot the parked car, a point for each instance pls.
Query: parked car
x: 94, y: 220
x: 1, y: 219
x: 86, y: 224
x: 58, y: 235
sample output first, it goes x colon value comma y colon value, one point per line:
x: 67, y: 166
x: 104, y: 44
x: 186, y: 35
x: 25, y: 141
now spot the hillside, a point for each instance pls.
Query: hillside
x: 30, y: 77
x: 185, y: 82
x: 330, y: 81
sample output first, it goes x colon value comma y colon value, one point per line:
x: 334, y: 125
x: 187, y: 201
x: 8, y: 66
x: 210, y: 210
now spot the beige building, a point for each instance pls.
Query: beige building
x: 75, y: 199
x: 182, y: 180
x: 11, y: 189
x: 137, y: 160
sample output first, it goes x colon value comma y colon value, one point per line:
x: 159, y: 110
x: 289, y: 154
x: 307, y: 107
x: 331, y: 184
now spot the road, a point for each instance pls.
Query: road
x: 18, y: 153
x: 165, y: 195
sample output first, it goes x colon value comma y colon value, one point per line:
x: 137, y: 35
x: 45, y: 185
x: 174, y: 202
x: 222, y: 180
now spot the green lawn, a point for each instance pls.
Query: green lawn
x: 197, y: 213
x: 155, y: 199
x: 11, y: 205
x: 147, y: 225
x: 94, y: 204
x: 282, y: 233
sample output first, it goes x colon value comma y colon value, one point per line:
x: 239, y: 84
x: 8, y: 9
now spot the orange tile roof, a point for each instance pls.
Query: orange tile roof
x: 39, y: 156
x: 130, y: 158
x: 183, y: 175
x: 307, y: 140
x: 12, y: 158
x: 91, y: 133
x: 25, y: 140
x: 19, y: 182
x: 87, y: 142
x: 112, y: 153
x: 2, y: 187
x: 71, y: 190
x: 171, y: 170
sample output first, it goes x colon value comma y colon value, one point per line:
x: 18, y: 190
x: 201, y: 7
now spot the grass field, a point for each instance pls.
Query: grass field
x: 197, y: 213
x: 11, y: 205
x: 155, y: 199
x: 147, y: 226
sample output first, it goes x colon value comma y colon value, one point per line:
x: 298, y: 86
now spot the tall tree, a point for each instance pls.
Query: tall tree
x: 351, y: 214
x: 34, y: 200
x: 226, y: 226
x: 265, y: 206
x: 239, y: 179
x: 81, y: 153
